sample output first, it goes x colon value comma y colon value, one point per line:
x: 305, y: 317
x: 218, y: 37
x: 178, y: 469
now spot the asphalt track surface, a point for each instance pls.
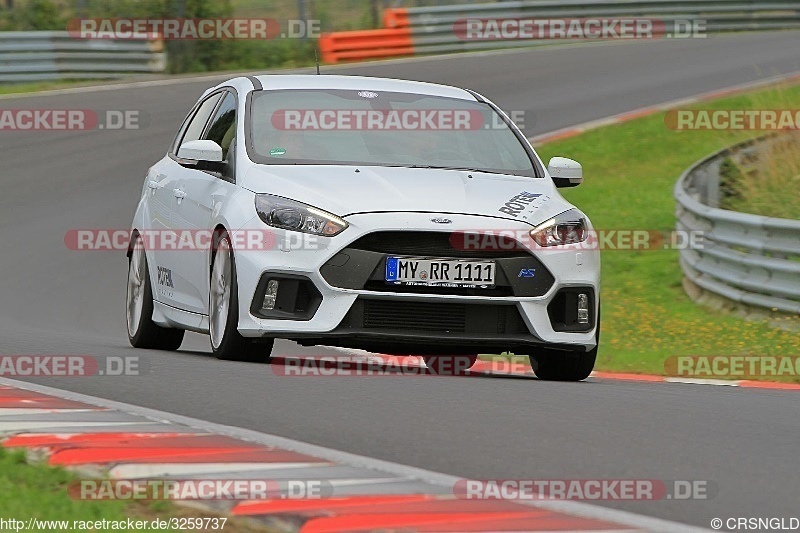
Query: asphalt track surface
x: 57, y: 301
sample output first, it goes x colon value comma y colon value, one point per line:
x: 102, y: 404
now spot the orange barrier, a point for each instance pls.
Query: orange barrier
x: 396, y: 17
x: 392, y: 41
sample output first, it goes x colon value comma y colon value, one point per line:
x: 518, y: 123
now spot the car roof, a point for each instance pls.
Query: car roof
x: 360, y: 83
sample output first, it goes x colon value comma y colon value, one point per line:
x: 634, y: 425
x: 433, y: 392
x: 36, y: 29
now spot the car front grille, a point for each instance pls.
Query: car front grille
x: 362, y: 265
x: 408, y: 316
x: 421, y: 316
x: 382, y: 286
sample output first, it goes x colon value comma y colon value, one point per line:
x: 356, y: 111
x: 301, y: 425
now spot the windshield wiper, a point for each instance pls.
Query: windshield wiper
x: 466, y: 169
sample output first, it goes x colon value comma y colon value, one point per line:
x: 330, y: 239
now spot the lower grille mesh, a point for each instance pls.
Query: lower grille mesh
x: 421, y: 316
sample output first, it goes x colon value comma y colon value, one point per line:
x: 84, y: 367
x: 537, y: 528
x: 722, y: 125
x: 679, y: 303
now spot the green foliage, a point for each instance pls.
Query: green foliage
x: 184, y: 55
x: 34, y: 15
x: 730, y: 183
x: 773, y: 188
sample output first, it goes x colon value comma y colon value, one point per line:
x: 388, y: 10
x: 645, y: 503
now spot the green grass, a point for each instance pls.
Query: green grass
x: 19, y: 88
x: 40, y: 491
x: 335, y: 15
x: 630, y: 171
x: 769, y: 192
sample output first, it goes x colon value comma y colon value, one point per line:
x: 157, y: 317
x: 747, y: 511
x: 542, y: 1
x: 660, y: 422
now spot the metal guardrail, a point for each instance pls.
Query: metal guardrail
x: 427, y: 30
x: 55, y: 55
x: 750, y: 259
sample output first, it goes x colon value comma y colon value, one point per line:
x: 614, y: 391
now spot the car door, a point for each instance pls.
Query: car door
x: 171, y: 285
x: 199, y: 194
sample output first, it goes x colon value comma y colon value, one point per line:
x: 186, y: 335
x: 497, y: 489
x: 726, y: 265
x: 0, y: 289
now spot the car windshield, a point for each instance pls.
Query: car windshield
x: 349, y: 127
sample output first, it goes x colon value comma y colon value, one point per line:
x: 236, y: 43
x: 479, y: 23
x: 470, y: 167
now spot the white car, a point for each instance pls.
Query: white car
x: 392, y: 216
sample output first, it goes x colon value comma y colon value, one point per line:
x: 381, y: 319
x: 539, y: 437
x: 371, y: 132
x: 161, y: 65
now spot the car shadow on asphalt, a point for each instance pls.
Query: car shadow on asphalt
x: 363, y: 366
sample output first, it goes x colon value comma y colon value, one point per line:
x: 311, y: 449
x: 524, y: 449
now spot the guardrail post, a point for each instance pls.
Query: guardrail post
x: 712, y: 196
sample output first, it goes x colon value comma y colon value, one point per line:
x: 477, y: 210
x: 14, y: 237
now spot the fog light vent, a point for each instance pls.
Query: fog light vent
x: 270, y: 295
x: 572, y: 309
x: 285, y: 297
x: 583, y: 308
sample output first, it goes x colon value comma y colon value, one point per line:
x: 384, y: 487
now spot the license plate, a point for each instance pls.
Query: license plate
x: 440, y: 272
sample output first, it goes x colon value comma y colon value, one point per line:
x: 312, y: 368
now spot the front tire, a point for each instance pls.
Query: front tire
x: 556, y: 365
x: 223, y: 312
x: 142, y: 331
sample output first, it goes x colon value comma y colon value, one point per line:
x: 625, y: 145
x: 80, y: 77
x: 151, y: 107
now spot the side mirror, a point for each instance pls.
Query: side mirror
x: 565, y: 172
x: 201, y: 150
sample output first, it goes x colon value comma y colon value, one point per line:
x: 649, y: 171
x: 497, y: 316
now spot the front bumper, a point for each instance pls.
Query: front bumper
x: 359, y: 314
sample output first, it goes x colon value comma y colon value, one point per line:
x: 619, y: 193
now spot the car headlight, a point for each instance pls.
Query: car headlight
x: 296, y: 216
x: 569, y: 227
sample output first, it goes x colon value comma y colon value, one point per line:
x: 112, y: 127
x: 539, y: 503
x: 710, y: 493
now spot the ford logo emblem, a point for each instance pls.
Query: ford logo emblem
x: 441, y: 221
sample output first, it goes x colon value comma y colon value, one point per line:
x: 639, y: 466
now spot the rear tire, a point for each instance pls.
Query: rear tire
x: 449, y: 365
x: 223, y: 312
x: 556, y: 365
x: 142, y: 331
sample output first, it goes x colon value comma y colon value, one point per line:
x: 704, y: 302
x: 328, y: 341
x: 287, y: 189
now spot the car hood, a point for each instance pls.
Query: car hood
x: 347, y: 190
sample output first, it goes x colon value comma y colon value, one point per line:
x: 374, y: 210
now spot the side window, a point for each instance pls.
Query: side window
x: 198, y: 123
x: 223, y: 125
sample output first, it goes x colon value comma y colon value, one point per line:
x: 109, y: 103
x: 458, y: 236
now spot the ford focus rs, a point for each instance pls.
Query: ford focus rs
x: 392, y: 216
